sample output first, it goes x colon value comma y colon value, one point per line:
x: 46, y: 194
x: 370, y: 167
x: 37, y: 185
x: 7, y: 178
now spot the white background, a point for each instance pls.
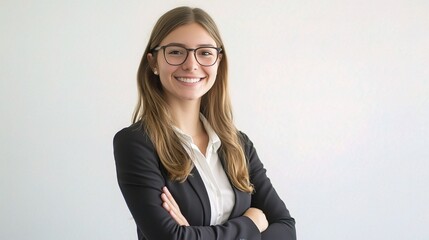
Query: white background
x: 334, y: 94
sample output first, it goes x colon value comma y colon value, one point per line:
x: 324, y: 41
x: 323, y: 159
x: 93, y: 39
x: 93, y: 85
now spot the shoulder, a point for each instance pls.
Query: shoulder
x: 250, y: 153
x: 133, y: 149
x: 131, y: 135
x: 249, y: 149
x: 135, y: 131
x: 245, y: 140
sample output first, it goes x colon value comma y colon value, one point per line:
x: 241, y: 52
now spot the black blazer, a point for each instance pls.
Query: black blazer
x: 141, y: 177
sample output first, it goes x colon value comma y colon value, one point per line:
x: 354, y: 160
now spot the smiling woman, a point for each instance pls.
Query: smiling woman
x: 181, y: 76
x: 184, y: 169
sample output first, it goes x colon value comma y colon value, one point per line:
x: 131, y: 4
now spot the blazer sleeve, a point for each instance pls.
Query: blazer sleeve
x: 281, y: 224
x: 140, y: 180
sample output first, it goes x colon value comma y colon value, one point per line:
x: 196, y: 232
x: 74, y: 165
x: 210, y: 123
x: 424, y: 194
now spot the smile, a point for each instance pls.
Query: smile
x: 189, y: 80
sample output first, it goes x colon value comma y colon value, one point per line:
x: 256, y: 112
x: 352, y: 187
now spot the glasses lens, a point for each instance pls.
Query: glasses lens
x: 206, y: 56
x: 175, y: 55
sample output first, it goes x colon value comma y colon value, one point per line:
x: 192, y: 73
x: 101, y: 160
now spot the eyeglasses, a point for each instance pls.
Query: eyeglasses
x: 177, y: 55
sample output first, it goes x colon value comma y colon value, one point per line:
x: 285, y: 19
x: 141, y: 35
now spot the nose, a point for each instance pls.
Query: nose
x: 190, y: 63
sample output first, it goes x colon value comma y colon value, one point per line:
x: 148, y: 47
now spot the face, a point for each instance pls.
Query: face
x: 188, y: 81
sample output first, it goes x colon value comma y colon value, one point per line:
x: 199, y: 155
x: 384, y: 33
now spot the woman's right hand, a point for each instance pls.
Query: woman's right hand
x: 258, y: 217
x: 172, y: 207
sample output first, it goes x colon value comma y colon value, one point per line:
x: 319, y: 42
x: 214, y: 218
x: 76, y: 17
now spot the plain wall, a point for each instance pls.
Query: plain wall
x: 334, y: 94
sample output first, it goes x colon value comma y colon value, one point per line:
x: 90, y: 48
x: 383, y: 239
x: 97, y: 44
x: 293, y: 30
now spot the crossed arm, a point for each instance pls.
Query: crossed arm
x: 169, y: 204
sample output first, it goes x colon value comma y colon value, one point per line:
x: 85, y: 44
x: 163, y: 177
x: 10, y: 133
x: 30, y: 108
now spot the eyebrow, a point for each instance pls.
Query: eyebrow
x: 183, y: 45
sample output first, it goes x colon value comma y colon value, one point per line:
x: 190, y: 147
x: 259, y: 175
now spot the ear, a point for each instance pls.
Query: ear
x: 219, y: 58
x: 152, y: 60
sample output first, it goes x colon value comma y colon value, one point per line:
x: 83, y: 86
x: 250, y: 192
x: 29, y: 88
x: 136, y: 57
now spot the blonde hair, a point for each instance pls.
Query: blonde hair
x: 152, y: 110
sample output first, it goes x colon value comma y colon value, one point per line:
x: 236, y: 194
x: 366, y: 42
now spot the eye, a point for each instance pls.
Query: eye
x: 206, y: 52
x: 175, y: 51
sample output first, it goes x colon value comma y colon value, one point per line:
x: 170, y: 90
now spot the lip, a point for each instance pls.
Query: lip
x: 189, y: 79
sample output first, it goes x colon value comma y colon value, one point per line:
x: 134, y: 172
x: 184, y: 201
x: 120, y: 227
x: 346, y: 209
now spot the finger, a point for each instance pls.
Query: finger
x: 172, y: 213
x: 172, y: 207
x: 166, y: 206
x: 169, y: 206
x: 167, y: 200
x: 180, y: 219
x: 170, y: 197
x: 176, y: 218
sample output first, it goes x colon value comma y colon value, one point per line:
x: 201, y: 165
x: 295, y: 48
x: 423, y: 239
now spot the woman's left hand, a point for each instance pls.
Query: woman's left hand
x: 171, y: 206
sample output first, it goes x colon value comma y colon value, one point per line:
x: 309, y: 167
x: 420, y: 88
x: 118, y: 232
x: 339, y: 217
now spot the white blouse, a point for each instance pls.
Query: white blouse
x: 221, y: 195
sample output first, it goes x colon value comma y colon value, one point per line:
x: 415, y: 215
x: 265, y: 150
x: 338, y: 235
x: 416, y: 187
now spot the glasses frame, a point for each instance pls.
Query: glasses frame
x: 218, y: 50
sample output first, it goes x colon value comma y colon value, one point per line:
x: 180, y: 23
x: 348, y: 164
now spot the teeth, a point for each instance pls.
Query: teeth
x: 188, y: 80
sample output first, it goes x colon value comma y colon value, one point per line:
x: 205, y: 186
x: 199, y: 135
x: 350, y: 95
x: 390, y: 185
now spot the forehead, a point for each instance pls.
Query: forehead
x: 190, y: 35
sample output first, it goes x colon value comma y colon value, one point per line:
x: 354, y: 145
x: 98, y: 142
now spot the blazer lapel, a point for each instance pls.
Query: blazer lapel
x: 242, y: 199
x: 197, y: 184
x: 242, y: 203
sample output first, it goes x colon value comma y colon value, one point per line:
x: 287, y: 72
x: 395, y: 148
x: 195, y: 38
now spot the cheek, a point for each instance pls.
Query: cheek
x: 165, y: 77
x: 165, y: 71
x: 213, y: 76
x: 212, y: 72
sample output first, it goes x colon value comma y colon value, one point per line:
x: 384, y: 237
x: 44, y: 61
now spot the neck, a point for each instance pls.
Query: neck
x: 186, y: 116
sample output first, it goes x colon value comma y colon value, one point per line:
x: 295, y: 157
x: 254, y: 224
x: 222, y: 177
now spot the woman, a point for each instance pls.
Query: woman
x: 184, y: 170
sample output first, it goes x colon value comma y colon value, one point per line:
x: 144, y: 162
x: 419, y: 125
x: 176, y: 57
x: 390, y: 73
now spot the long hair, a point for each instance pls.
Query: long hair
x: 152, y: 110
